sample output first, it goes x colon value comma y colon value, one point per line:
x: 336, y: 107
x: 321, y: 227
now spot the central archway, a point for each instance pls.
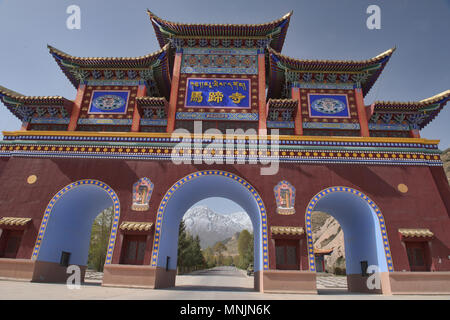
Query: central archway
x: 190, y: 190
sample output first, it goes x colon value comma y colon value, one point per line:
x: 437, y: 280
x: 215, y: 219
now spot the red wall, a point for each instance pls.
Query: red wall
x: 421, y: 207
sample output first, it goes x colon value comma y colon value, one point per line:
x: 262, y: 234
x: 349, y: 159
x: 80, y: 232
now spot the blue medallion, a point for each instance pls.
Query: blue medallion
x: 109, y: 102
x: 328, y: 105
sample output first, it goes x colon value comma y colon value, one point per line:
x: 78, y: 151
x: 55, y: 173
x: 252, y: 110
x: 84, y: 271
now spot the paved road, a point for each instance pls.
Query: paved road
x: 223, y: 283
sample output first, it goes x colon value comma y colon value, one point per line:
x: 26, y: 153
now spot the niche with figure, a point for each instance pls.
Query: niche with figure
x: 142, y: 191
x: 285, y: 198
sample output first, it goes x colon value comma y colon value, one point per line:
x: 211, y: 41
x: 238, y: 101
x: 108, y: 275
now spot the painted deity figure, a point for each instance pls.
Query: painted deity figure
x: 142, y: 191
x: 285, y: 198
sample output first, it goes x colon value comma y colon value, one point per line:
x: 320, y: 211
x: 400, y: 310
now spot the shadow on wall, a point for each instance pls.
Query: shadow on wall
x: 365, y: 179
x: 105, y: 170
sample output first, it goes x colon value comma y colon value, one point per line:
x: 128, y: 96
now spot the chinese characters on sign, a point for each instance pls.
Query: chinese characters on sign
x: 223, y: 93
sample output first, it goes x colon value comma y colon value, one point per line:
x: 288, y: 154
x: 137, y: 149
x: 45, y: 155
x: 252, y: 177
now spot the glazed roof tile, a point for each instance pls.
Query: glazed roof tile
x: 287, y: 230
x: 136, y: 226
x: 331, y: 65
x: 279, y: 64
x: 416, y: 233
x: 108, y: 62
x: 283, y: 103
x: 14, y: 221
x: 429, y: 107
x: 151, y: 101
x: 14, y: 102
x: 323, y: 251
x: 68, y: 62
x: 412, y: 105
x: 198, y: 30
x: 20, y: 98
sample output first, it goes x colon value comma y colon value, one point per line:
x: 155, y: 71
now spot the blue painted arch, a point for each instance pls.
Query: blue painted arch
x: 363, y: 224
x: 68, y: 218
x: 198, y: 186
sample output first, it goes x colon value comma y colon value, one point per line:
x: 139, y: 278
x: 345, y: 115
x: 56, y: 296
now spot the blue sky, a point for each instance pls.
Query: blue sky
x: 320, y: 29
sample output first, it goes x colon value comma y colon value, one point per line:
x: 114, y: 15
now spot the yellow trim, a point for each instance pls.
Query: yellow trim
x: 169, y: 135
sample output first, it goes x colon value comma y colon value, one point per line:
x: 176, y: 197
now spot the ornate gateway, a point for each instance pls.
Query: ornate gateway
x: 219, y: 111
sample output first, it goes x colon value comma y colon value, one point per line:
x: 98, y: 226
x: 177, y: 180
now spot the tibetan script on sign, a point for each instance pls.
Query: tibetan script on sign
x: 220, y: 93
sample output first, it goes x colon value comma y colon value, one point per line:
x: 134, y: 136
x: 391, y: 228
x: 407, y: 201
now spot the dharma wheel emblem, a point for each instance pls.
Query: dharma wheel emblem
x: 109, y: 102
x: 328, y: 105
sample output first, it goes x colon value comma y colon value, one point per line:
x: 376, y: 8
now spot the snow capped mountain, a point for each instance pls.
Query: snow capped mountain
x: 212, y: 227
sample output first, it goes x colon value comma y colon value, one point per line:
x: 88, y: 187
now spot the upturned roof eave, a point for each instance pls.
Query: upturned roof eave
x: 412, y: 105
x: 65, y: 61
x: 305, y: 65
x: 162, y: 26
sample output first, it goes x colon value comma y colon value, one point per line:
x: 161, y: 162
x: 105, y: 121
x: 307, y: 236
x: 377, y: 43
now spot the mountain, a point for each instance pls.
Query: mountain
x: 212, y: 227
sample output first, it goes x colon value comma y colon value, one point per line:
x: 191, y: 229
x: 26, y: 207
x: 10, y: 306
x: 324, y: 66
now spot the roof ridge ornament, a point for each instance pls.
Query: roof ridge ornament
x: 274, y: 30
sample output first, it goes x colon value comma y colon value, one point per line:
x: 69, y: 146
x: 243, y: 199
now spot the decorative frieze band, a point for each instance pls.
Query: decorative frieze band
x: 318, y: 85
x: 50, y: 120
x: 216, y: 116
x: 326, y: 125
x: 103, y: 121
x: 153, y: 122
x: 281, y: 124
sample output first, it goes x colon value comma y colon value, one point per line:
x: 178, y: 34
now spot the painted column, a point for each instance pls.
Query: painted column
x: 135, y: 126
x: 295, y: 93
x: 174, y: 92
x: 414, y: 133
x: 76, y: 109
x: 361, y: 113
x: 25, y: 126
x: 262, y: 94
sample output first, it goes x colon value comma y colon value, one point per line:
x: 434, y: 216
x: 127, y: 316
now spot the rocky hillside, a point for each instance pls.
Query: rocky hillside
x: 232, y: 245
x: 327, y: 234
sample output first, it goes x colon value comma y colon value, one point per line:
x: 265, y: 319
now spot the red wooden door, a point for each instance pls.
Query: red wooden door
x: 134, y: 249
x: 10, y: 243
x: 417, y: 256
x: 287, y: 254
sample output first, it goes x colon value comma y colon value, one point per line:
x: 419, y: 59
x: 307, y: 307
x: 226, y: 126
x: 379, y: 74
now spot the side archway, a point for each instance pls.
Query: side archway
x: 365, y: 233
x: 67, y: 223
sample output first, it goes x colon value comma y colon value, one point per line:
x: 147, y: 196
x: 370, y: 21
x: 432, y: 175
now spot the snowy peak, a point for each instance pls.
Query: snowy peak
x: 212, y: 227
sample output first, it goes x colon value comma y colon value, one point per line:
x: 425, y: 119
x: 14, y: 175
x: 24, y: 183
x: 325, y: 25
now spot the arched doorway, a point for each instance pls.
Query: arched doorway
x: 215, y: 248
x: 365, y: 236
x: 190, y: 190
x: 64, y: 234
